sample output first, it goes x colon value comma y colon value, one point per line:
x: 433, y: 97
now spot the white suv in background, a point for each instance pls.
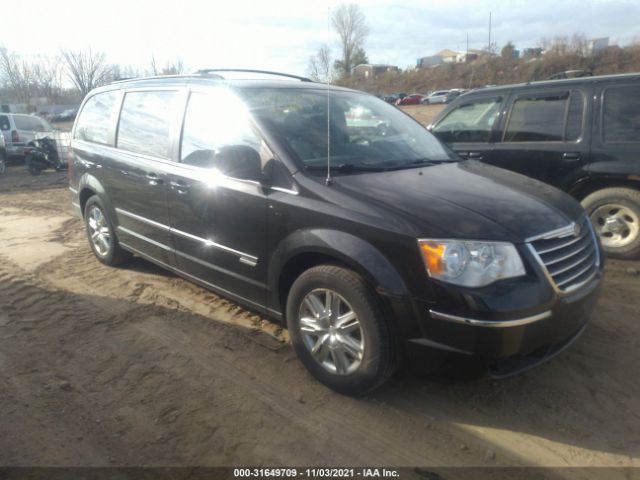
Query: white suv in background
x: 19, y: 129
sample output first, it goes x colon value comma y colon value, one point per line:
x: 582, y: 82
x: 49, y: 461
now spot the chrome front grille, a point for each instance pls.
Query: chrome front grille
x: 569, y: 255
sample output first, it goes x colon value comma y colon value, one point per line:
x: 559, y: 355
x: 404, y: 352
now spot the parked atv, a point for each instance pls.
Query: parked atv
x: 47, y: 153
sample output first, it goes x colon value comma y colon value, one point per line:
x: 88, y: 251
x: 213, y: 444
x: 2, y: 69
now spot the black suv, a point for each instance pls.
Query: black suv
x: 581, y: 135
x: 375, y: 245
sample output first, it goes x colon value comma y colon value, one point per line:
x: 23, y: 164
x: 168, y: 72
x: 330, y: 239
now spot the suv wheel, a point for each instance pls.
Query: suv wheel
x: 339, y: 331
x: 101, y: 235
x: 615, y: 214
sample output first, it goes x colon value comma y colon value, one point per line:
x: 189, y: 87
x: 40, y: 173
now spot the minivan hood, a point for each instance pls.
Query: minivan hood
x: 468, y: 200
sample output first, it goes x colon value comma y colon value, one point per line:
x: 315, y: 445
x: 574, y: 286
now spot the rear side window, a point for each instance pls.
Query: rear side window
x: 4, y: 123
x: 621, y: 114
x: 538, y: 119
x: 145, y: 121
x: 470, y: 122
x: 94, y: 121
x: 32, y: 124
x: 218, y: 133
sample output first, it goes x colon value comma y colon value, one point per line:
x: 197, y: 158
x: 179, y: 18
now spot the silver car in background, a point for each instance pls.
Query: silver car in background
x: 439, y: 96
x: 19, y: 129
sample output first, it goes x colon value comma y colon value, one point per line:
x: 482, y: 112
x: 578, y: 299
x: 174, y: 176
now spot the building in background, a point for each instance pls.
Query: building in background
x: 598, y: 44
x: 369, y: 70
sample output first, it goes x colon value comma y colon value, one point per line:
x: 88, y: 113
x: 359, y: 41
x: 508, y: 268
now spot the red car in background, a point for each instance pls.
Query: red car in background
x: 410, y: 99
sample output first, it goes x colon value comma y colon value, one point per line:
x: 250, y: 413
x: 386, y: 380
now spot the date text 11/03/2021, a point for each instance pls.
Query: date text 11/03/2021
x: 315, y: 473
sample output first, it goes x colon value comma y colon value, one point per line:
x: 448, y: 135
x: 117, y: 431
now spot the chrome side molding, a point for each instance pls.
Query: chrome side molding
x: 245, y: 258
x: 490, y: 323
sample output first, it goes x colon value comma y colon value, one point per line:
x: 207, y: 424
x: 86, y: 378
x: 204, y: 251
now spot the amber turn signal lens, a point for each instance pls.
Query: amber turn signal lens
x: 432, y: 254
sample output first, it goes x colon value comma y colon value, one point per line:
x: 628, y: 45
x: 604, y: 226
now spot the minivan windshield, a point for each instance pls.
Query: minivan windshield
x: 363, y: 134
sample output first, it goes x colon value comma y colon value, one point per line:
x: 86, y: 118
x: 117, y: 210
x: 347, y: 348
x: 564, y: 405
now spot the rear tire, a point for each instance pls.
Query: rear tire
x: 33, y: 168
x: 101, y: 234
x: 334, y: 311
x: 615, y: 215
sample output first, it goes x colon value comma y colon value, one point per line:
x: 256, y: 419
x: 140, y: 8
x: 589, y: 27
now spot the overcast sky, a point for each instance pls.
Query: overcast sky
x: 282, y: 34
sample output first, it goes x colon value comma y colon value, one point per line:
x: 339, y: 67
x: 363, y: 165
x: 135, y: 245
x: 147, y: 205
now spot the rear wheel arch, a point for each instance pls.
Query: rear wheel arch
x: 89, y: 186
x: 85, y: 194
x: 584, y: 189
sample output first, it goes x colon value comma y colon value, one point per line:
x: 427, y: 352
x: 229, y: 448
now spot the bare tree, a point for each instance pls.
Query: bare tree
x: 47, y: 73
x: 86, y: 69
x: 175, y: 67
x: 350, y: 24
x: 15, y: 75
x: 320, y: 65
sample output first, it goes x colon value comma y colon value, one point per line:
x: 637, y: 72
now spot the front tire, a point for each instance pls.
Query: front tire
x: 338, y: 329
x: 101, y: 234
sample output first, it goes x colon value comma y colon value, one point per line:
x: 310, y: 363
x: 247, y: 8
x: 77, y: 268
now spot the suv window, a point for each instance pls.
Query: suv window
x: 574, y: 117
x: 4, y: 123
x: 538, y: 118
x: 217, y: 132
x: 470, y: 122
x: 145, y: 122
x: 32, y: 124
x: 621, y: 114
x: 93, y: 123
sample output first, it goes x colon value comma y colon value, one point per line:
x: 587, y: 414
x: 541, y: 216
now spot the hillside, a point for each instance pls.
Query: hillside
x: 500, y: 70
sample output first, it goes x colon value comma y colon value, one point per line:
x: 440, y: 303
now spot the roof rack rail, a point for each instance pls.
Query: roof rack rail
x: 208, y: 71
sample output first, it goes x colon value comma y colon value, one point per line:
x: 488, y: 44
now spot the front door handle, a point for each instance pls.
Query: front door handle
x: 571, y: 156
x: 180, y: 187
x: 474, y: 156
x: 154, y: 179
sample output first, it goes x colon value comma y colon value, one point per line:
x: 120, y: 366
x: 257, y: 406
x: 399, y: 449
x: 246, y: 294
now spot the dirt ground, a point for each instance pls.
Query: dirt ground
x: 134, y: 366
x: 423, y: 113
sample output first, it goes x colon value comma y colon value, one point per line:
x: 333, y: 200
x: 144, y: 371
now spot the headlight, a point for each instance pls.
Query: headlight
x: 469, y: 263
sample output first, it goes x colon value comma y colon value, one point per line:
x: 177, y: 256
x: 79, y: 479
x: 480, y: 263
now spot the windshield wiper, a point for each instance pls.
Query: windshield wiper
x: 347, y: 168
x: 421, y: 162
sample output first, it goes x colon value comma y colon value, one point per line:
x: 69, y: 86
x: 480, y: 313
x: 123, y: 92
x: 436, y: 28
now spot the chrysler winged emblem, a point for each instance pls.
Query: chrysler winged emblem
x: 576, y: 230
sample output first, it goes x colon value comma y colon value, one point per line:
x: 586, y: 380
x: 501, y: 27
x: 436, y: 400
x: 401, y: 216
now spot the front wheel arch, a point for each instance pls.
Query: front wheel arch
x: 304, y: 249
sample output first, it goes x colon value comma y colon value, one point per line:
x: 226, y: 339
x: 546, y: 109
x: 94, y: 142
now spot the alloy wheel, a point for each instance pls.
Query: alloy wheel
x: 331, y: 331
x: 99, y: 231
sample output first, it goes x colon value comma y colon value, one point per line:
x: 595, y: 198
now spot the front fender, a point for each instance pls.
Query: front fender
x: 353, y: 251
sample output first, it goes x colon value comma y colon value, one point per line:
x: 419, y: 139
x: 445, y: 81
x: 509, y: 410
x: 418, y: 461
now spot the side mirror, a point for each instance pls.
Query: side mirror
x: 239, y: 161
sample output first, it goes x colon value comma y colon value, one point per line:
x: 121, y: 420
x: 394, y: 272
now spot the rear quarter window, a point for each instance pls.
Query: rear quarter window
x: 32, y: 124
x: 95, y: 118
x: 621, y: 114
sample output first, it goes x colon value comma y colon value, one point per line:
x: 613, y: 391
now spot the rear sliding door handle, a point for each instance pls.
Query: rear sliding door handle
x: 180, y: 187
x: 154, y: 179
x: 571, y: 156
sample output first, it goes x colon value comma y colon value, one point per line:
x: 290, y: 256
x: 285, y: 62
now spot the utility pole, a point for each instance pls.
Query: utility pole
x: 489, y: 47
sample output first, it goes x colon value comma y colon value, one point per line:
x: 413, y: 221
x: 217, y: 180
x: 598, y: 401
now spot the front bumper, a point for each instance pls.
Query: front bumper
x: 509, y: 343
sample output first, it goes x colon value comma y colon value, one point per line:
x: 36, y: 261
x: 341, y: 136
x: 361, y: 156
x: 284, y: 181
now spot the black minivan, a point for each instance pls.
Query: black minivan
x: 374, y: 244
x: 581, y: 135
